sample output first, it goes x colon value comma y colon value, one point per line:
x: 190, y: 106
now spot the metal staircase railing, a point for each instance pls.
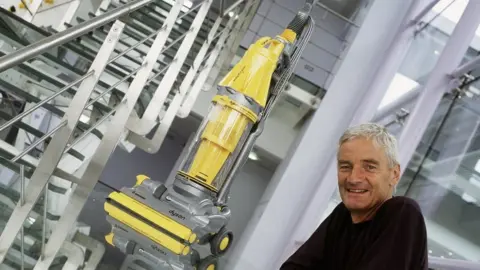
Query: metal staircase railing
x: 75, y: 95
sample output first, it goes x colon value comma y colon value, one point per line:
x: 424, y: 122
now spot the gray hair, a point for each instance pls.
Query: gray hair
x: 378, y: 134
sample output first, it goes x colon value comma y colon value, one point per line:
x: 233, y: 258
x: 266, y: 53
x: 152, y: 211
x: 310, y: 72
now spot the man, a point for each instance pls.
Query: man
x: 370, y: 229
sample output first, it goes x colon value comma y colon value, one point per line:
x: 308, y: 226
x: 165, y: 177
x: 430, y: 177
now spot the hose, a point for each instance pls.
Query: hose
x: 301, y: 19
x: 301, y: 44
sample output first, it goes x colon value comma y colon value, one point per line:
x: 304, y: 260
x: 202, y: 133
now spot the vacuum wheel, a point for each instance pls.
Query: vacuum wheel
x: 221, y: 242
x: 208, y: 263
x: 195, y: 257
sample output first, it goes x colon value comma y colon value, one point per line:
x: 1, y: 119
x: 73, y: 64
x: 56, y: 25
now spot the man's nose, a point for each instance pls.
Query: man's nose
x: 357, y: 175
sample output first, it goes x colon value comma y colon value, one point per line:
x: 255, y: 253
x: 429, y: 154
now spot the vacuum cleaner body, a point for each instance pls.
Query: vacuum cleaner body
x: 159, y: 226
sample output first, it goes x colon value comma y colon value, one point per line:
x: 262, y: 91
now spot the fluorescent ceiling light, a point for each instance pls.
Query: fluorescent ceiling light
x: 253, y: 156
x: 474, y: 182
x: 477, y: 166
x: 468, y: 198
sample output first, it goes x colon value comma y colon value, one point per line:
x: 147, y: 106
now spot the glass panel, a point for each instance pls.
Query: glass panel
x: 430, y: 38
x: 36, y: 230
x: 444, y: 179
x: 441, y: 176
x: 10, y: 194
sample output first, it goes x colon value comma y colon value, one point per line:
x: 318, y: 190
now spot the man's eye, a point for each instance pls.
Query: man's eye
x: 344, y: 167
x: 371, y: 167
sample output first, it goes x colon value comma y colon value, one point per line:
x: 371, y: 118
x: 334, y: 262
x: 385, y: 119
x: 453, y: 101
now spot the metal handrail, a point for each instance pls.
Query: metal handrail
x: 94, y: 126
x: 231, y: 7
x: 63, y: 37
x: 35, y: 144
x: 38, y: 105
x: 50, y: 133
x: 64, y: 122
x: 64, y: 89
x: 154, y: 34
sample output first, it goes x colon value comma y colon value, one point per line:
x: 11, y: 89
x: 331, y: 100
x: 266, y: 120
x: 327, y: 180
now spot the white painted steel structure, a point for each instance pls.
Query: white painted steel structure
x: 302, y: 186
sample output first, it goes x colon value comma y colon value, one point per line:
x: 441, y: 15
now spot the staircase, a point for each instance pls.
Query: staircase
x: 118, y: 77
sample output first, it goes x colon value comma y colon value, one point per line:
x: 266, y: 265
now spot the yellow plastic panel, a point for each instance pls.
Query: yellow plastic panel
x: 145, y: 229
x: 226, y: 125
x: 109, y: 238
x: 152, y: 215
x: 289, y: 35
x: 252, y: 75
x: 140, y: 179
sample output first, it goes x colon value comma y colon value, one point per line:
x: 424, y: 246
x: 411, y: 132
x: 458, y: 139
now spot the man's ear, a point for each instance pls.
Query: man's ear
x: 395, y: 174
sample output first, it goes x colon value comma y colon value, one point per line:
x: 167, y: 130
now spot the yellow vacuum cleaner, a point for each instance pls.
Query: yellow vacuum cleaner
x: 160, y: 226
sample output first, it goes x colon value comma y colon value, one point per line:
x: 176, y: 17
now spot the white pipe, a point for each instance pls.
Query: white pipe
x: 397, y: 104
x: 467, y: 67
x: 422, y: 13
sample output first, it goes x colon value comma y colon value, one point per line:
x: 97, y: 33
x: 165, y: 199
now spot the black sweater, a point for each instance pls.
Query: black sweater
x: 395, y: 239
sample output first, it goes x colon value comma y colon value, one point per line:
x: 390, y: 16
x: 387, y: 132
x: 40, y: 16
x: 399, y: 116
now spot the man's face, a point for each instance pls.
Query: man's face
x: 365, y: 178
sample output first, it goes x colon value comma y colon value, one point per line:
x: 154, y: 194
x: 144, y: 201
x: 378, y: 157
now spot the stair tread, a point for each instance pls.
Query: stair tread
x: 142, y: 22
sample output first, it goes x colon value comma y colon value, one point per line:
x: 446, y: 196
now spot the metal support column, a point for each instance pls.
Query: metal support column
x: 438, y: 82
x: 393, y: 59
x: 265, y: 238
